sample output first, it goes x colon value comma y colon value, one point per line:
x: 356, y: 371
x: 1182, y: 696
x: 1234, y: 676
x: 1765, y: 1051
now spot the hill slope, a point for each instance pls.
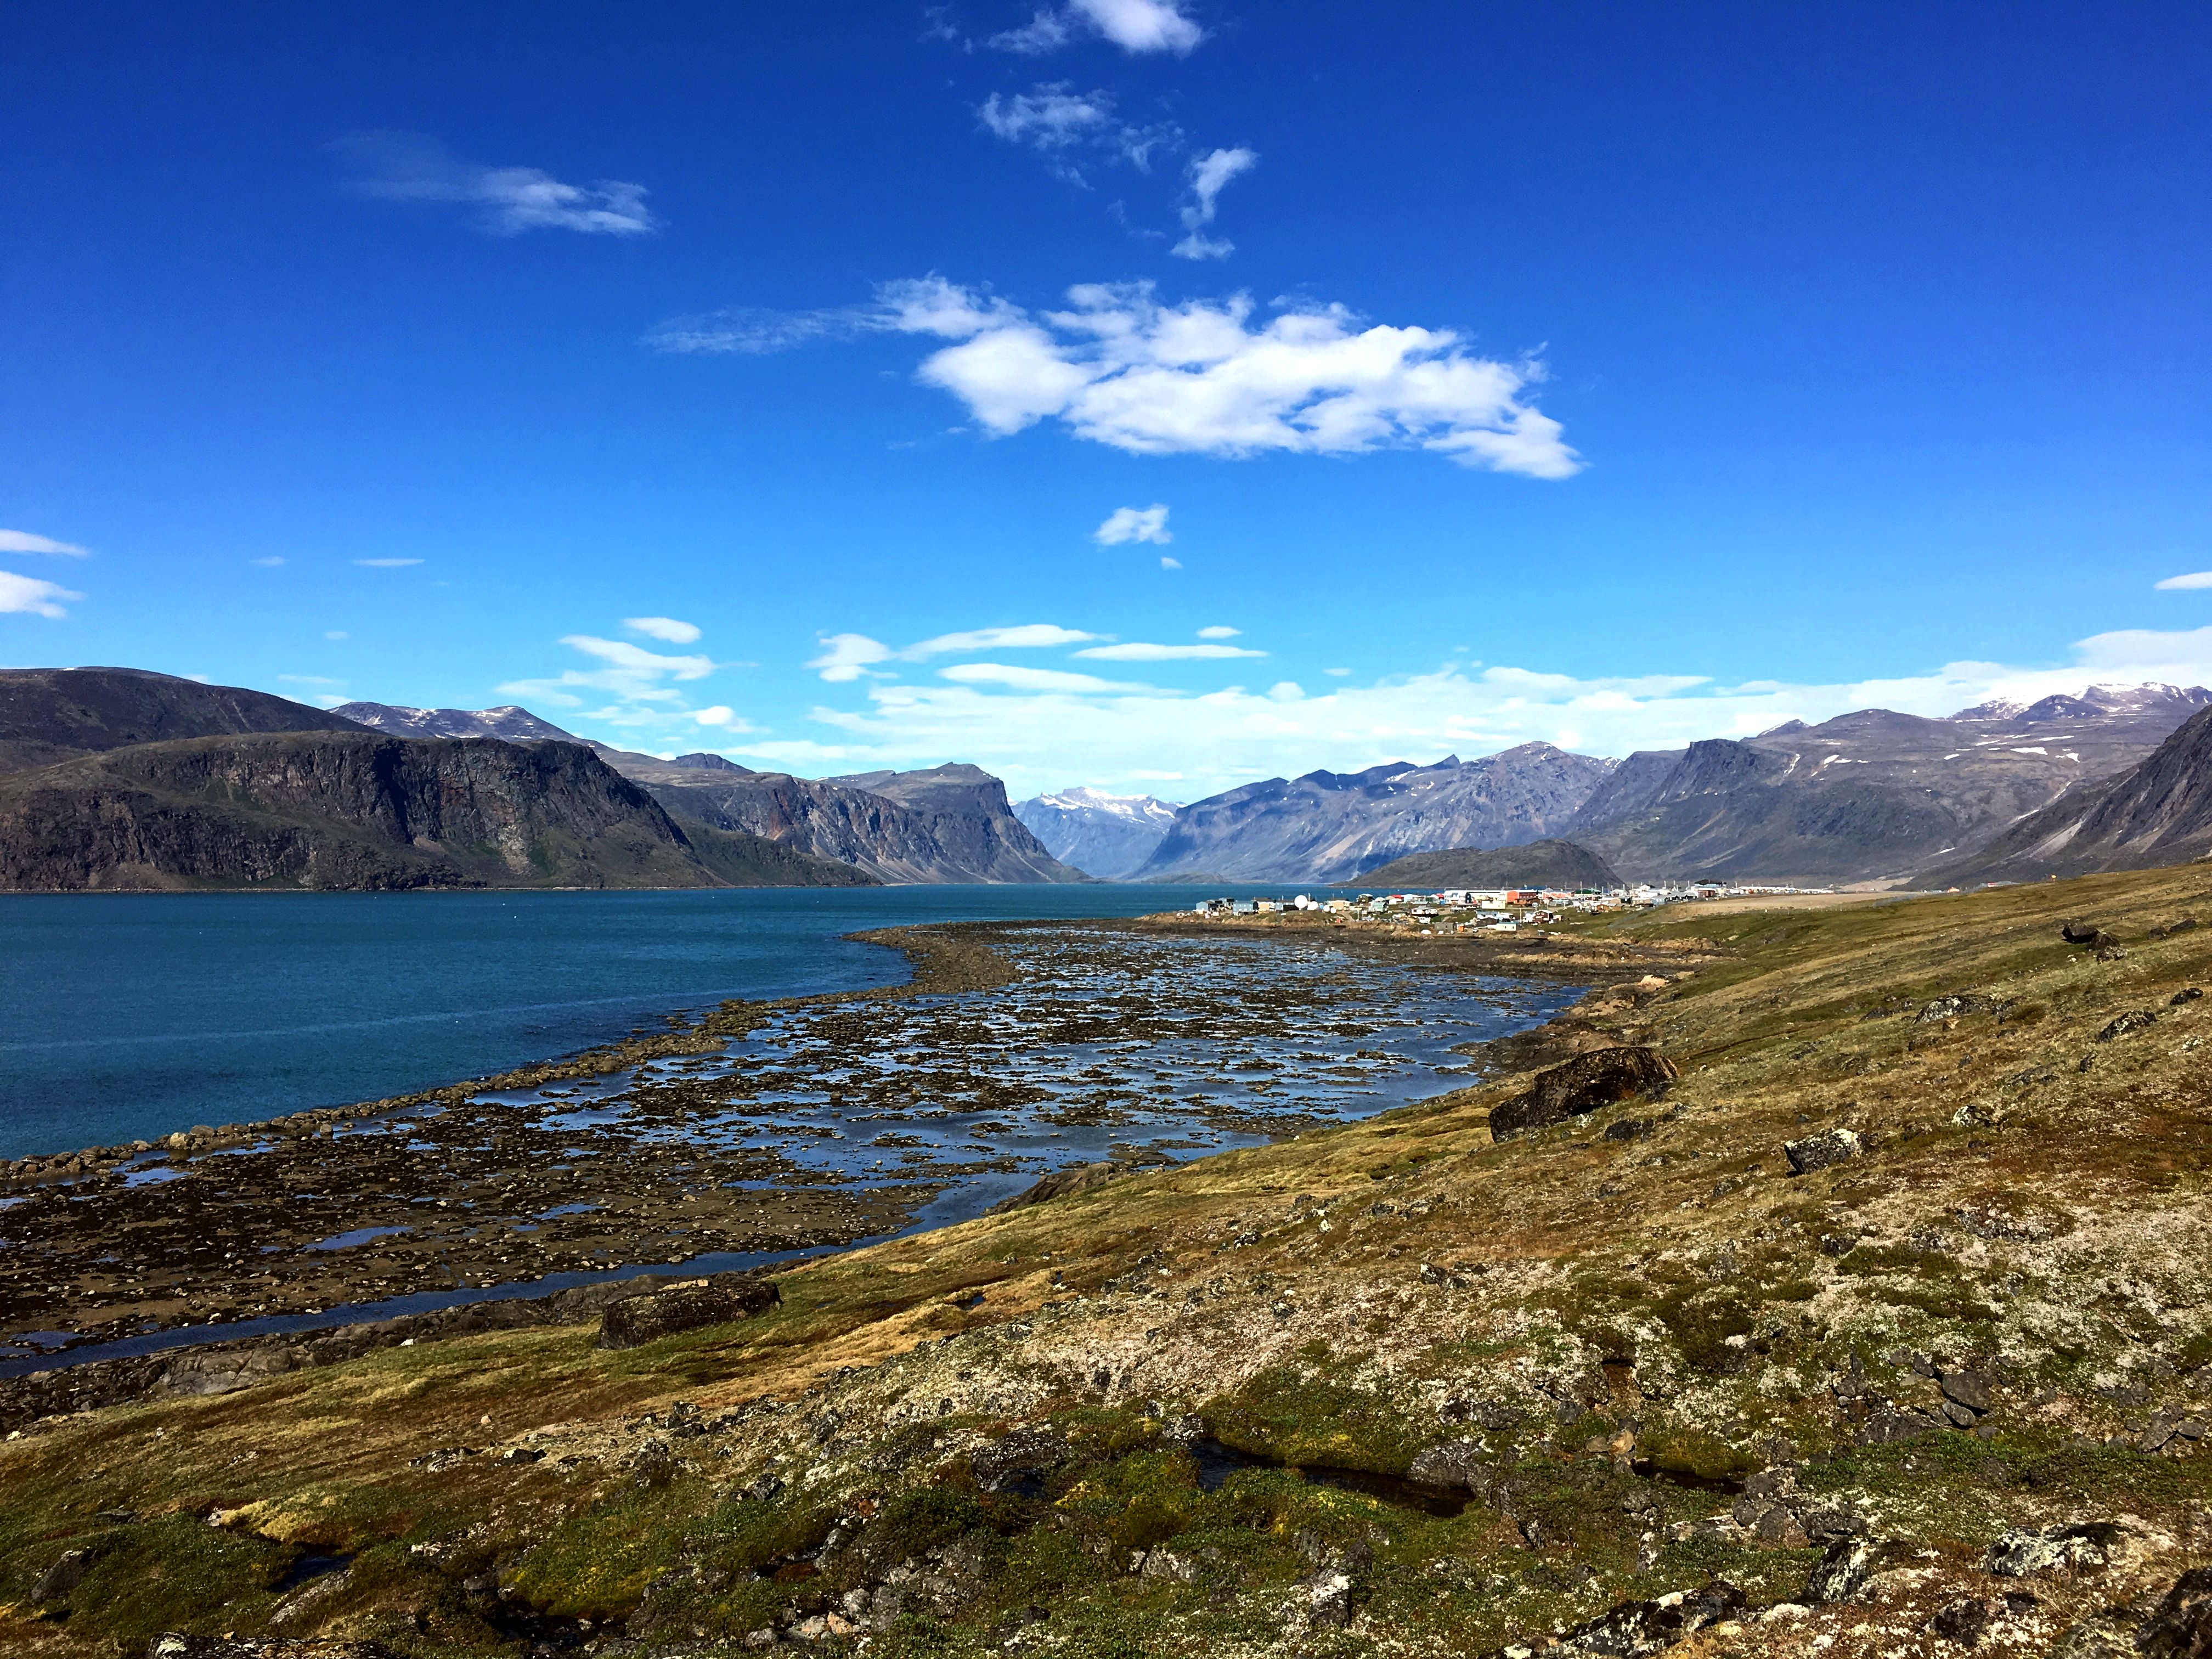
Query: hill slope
x: 47, y: 714
x: 2157, y: 812
x: 357, y: 811
x: 1537, y: 863
x: 1883, y: 1328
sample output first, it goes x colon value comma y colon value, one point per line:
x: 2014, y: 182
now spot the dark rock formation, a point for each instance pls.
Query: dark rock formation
x: 1820, y: 1151
x: 355, y: 810
x: 1547, y: 863
x: 1109, y: 836
x: 637, y: 1320
x: 1582, y: 1085
x: 1333, y: 826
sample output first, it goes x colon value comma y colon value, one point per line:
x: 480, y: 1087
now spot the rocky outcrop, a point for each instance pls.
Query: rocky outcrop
x: 1333, y: 826
x: 354, y: 810
x: 1580, y: 1086
x: 1539, y: 863
x: 510, y: 721
x: 1109, y: 836
x: 48, y: 715
x: 637, y: 1320
x: 2159, y: 812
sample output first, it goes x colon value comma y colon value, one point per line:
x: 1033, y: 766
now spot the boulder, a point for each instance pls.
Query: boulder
x: 1580, y: 1086
x: 1026, y: 1454
x: 636, y: 1319
x: 227, y: 1370
x: 1966, y: 1622
x: 67, y: 1572
x: 1649, y: 1627
x: 2021, y: 1554
x: 1818, y: 1151
x: 2127, y: 1025
x: 2081, y: 932
x: 1843, y: 1571
x: 1967, y: 1389
x: 1459, y: 1464
x: 1075, y: 1178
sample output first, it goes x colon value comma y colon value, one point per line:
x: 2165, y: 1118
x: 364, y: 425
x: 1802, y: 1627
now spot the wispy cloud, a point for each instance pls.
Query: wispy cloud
x: 30, y: 596
x: 1219, y: 631
x: 1031, y: 679
x: 386, y: 564
x: 1209, y: 175
x: 1135, y: 25
x: 663, y: 628
x: 1023, y: 635
x: 630, y: 672
x: 22, y: 541
x: 2194, y: 578
x: 1134, y: 523
x: 1068, y: 127
x: 848, y: 656
x: 1137, y: 650
x: 407, y: 166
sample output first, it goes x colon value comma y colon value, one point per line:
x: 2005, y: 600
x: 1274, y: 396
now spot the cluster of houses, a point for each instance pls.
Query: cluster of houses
x: 1501, y: 909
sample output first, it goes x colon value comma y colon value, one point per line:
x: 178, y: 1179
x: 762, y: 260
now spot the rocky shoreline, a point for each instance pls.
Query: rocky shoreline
x: 657, y: 1149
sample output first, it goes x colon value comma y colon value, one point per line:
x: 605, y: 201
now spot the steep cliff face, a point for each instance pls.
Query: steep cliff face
x: 2159, y: 811
x: 353, y: 810
x: 1333, y: 826
x: 48, y: 714
x: 958, y: 829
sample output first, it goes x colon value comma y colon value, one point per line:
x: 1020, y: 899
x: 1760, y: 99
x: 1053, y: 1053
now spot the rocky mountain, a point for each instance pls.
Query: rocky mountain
x: 49, y: 714
x: 1334, y: 826
x: 1537, y: 863
x: 951, y: 823
x: 1109, y: 836
x: 2159, y: 812
x: 1870, y: 794
x: 510, y: 721
x: 361, y: 810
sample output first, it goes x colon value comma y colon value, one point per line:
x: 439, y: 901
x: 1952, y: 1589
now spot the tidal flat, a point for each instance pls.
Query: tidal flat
x: 763, y: 1130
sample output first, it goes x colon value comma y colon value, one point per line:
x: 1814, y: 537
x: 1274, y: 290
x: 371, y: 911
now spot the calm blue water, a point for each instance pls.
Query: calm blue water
x: 126, y: 1016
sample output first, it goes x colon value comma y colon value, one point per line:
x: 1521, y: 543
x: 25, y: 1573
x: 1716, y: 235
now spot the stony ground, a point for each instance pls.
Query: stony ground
x: 1882, y: 1330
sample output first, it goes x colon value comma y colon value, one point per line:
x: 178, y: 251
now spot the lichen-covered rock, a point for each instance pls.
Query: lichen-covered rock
x: 1820, y: 1151
x: 1636, y: 1629
x: 1456, y: 1464
x: 1584, y: 1084
x: 636, y: 1319
x: 2021, y: 1554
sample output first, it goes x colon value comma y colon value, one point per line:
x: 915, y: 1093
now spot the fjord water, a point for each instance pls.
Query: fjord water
x: 126, y: 1016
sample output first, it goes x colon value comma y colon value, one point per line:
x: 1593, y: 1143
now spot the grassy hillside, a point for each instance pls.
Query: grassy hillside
x: 1530, y: 1383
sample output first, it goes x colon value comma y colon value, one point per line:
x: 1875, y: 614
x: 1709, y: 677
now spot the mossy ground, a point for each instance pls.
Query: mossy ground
x: 1630, y: 1323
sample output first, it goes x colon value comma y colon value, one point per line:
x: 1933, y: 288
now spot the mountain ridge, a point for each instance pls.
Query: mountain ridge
x: 1109, y: 836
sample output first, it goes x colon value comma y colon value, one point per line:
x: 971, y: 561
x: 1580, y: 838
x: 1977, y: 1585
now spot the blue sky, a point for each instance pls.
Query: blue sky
x: 806, y: 383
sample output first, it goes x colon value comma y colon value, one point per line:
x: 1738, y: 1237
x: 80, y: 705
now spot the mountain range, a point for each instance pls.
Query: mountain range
x: 1533, y: 864
x: 115, y: 777
x: 1109, y: 836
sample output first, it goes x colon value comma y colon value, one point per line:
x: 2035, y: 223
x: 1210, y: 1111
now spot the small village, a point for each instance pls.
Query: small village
x: 1493, y: 910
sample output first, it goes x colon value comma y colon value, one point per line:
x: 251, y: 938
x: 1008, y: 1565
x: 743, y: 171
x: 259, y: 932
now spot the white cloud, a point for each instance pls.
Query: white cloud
x: 22, y: 541
x: 386, y: 564
x: 1219, y: 632
x: 1031, y: 679
x: 2194, y: 578
x: 1167, y: 563
x: 269, y: 563
x: 846, y: 656
x: 1134, y: 26
x: 30, y: 596
x: 723, y: 717
x: 1024, y: 636
x: 1138, y: 651
x: 663, y: 628
x: 403, y: 167
x: 1123, y: 369
x: 1209, y: 175
x: 1134, y: 523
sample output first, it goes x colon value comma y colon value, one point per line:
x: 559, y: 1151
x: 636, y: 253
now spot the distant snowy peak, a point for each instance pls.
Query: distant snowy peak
x: 1136, y: 809
x: 2095, y: 702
